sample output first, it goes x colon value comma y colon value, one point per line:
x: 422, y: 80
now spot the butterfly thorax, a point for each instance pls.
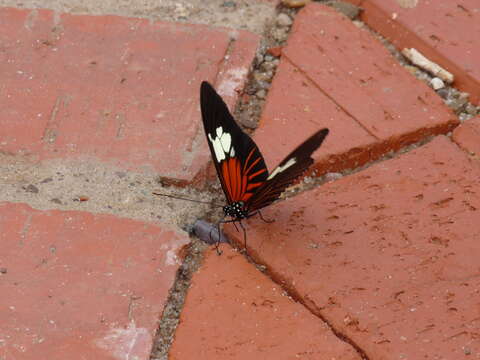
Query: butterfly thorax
x: 236, y: 210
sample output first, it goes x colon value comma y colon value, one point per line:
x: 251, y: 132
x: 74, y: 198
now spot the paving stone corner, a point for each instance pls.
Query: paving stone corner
x: 74, y: 282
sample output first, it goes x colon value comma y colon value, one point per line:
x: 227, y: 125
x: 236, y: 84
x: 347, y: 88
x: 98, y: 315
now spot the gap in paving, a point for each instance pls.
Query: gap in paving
x: 247, y: 112
x: 249, y: 107
x: 309, y: 183
x: 452, y: 97
x: 95, y: 187
x: 171, y: 312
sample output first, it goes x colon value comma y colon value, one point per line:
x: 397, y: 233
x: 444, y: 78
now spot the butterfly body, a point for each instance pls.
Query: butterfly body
x: 241, y: 169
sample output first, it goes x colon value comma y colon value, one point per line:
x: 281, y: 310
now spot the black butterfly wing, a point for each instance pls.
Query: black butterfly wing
x: 286, y: 172
x: 238, y: 161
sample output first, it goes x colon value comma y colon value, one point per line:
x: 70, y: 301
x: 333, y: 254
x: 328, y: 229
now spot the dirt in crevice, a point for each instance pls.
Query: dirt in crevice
x: 176, y: 299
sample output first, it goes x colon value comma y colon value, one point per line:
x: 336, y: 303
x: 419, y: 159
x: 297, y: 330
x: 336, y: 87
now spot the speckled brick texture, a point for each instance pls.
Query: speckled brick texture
x: 233, y: 311
x: 333, y: 74
x: 446, y: 32
x: 116, y: 89
x: 379, y: 264
x: 467, y: 136
x: 76, y: 283
x: 388, y: 255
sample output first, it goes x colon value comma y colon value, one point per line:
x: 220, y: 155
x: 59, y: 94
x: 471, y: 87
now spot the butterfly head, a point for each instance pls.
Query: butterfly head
x: 236, y: 210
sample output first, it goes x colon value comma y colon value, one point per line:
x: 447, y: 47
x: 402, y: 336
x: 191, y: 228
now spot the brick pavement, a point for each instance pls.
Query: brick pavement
x: 445, y: 31
x: 380, y: 264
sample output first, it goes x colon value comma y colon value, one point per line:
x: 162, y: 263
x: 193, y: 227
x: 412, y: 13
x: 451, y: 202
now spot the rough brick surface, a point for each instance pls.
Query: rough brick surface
x: 118, y: 89
x: 467, y: 136
x: 233, y: 311
x: 76, y: 283
x: 336, y: 75
x: 388, y: 255
x: 446, y: 32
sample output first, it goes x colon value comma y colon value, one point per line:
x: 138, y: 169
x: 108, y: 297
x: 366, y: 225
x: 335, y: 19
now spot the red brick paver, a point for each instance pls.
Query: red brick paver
x: 333, y: 74
x: 75, y: 285
x: 388, y: 255
x: 467, y: 136
x: 232, y: 311
x: 446, y: 32
x: 118, y: 89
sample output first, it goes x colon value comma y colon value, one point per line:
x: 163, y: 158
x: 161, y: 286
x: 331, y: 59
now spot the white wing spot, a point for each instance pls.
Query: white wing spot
x: 226, y: 141
x: 217, y: 147
x: 282, y: 168
x: 222, y: 144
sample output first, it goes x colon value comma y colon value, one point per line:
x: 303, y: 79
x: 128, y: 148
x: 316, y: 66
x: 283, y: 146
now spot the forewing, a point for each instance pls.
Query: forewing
x: 293, y: 166
x: 238, y: 161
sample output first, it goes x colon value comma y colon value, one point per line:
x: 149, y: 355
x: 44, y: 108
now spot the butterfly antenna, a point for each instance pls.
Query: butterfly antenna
x: 187, y: 199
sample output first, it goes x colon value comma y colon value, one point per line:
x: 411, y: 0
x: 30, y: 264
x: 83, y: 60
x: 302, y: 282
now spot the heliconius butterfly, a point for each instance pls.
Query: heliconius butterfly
x: 245, y: 180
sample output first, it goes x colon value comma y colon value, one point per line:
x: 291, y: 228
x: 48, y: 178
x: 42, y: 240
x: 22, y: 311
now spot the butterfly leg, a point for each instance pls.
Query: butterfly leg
x: 217, y: 242
x: 268, y: 221
x: 244, y: 235
x: 234, y: 224
x: 220, y: 234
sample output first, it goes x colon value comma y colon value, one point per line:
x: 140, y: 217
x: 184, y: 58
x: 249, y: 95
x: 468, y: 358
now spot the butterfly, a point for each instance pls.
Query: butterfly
x: 241, y: 169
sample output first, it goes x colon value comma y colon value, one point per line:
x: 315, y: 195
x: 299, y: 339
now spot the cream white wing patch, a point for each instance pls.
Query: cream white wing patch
x: 222, y: 144
x: 282, y: 168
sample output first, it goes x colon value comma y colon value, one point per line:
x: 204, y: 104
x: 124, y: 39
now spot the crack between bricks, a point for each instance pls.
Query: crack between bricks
x: 291, y: 291
x: 176, y: 299
x: 308, y: 304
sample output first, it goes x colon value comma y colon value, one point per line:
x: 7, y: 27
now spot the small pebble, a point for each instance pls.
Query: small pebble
x: 261, y: 94
x: 279, y: 34
x: 259, y: 58
x: 46, y: 180
x: 332, y: 176
x: 437, y: 83
x: 463, y: 97
x: 229, y: 4
x: 349, y: 10
x: 443, y: 93
x: 464, y: 117
x: 359, y: 24
x: 471, y: 109
x: 295, y: 3
x: 32, y: 189
x: 3, y: 270
x: 247, y: 121
x: 454, y: 104
x: 260, y: 77
x: 284, y: 20
x: 268, y: 57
